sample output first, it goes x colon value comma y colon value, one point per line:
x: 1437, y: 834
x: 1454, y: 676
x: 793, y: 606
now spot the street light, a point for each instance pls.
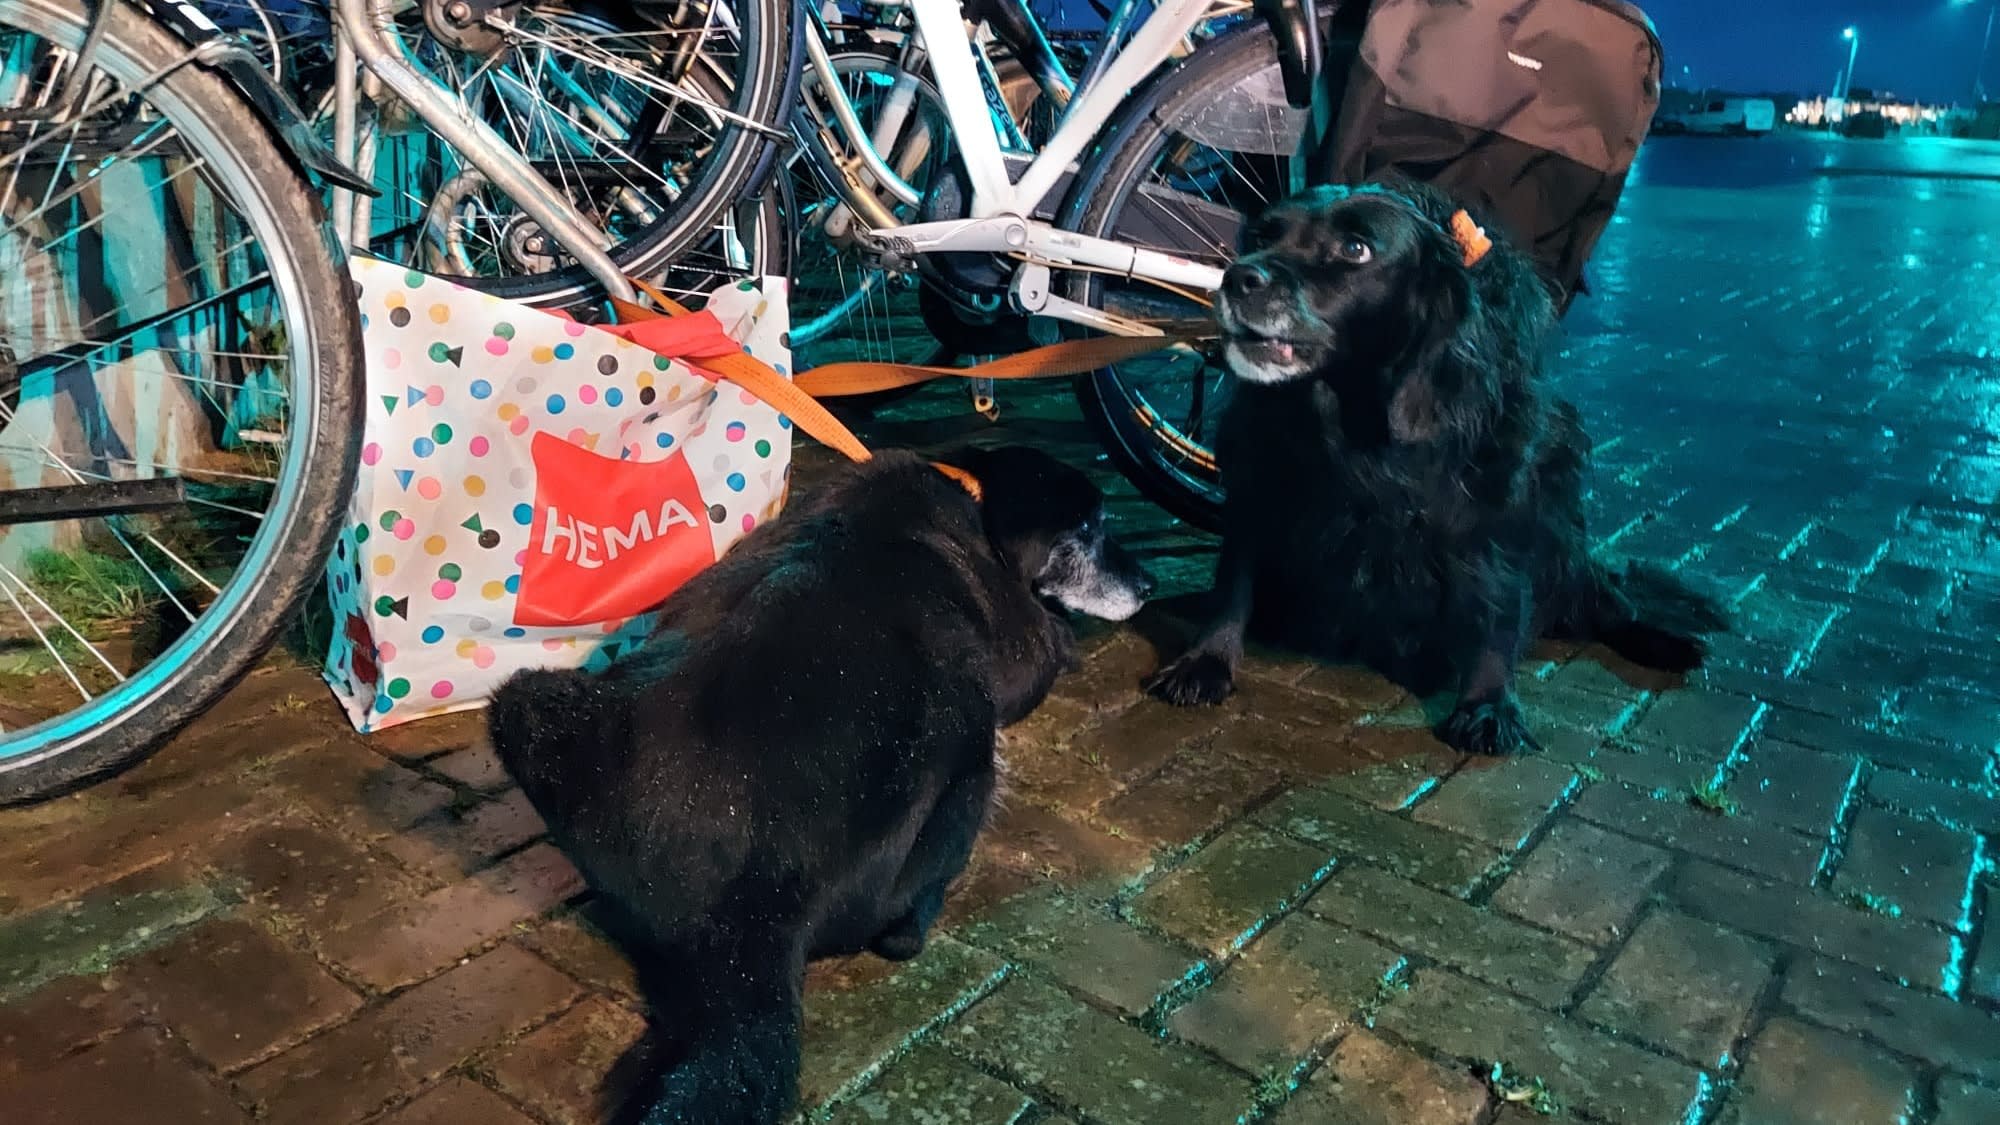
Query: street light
x: 1853, y: 38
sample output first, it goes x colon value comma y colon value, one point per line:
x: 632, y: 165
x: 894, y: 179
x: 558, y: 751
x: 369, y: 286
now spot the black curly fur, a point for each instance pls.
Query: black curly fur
x: 1401, y: 490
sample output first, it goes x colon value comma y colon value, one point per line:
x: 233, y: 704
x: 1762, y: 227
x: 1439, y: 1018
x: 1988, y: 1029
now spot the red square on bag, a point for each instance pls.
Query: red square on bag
x: 610, y: 538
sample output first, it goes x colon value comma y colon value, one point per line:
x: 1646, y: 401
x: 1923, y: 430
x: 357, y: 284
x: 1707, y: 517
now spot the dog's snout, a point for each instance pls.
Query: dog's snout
x: 1144, y: 586
x: 1244, y: 278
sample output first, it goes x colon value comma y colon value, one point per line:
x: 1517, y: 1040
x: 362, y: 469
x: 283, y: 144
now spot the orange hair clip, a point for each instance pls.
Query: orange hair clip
x: 1471, y: 237
x: 963, y: 479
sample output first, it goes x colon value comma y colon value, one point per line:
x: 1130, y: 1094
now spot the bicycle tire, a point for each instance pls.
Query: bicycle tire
x: 774, y: 53
x: 283, y: 563
x: 1094, y: 206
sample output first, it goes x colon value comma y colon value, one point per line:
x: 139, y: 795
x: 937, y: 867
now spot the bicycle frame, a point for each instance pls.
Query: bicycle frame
x: 999, y: 222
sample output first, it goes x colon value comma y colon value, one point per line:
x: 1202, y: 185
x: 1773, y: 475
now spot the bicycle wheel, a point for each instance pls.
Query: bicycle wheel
x: 652, y: 119
x: 1200, y: 146
x: 177, y: 322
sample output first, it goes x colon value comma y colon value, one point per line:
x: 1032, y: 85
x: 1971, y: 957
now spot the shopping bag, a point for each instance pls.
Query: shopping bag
x: 530, y: 487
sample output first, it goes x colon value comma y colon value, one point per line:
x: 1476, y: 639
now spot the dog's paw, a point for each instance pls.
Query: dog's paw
x: 1492, y: 726
x: 900, y: 942
x: 1196, y: 679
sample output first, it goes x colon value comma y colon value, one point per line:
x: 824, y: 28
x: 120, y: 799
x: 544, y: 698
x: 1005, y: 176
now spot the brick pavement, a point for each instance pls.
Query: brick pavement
x: 1296, y: 909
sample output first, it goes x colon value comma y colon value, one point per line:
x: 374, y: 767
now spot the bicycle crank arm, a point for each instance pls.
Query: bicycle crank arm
x: 89, y: 501
x: 897, y: 248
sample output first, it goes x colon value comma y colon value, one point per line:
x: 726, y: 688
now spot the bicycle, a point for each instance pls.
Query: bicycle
x: 179, y: 407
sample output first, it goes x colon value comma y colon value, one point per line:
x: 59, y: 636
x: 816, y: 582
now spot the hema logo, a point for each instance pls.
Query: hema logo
x: 609, y: 539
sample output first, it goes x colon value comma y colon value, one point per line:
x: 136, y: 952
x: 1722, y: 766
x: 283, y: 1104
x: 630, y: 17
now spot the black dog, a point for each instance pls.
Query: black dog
x: 797, y: 761
x: 1400, y: 490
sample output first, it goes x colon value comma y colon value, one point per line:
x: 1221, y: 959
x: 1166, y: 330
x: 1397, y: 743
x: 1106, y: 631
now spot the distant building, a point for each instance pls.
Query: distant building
x: 1816, y: 112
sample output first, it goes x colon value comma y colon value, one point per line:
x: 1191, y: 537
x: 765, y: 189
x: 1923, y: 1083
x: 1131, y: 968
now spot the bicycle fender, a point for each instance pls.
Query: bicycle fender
x: 227, y: 55
x: 1295, y: 24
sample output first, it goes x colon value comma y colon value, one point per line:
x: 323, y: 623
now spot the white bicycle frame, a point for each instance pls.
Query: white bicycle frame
x: 1001, y: 207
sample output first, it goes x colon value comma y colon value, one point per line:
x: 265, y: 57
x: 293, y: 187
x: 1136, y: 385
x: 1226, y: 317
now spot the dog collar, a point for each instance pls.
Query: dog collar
x: 962, y: 479
x: 1470, y: 236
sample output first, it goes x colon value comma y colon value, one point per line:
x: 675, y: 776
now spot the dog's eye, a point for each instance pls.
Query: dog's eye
x: 1356, y: 251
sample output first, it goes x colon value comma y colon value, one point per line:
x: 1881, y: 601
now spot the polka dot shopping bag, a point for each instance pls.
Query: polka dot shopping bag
x: 530, y: 487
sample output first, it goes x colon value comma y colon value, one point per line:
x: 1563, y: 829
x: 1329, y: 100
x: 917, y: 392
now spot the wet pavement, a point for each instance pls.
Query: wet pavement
x: 1758, y: 896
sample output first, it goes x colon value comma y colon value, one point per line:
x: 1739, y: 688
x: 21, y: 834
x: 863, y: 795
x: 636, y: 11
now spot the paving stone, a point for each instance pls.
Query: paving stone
x: 1402, y: 764
x: 1370, y: 1082
x: 930, y: 1086
x: 1138, y: 741
x: 1085, y: 946
x: 1352, y: 831
x: 1805, y: 1075
x: 1549, y: 705
x: 1244, y: 876
x: 1038, y: 1036
x: 357, y: 789
x: 1965, y: 806
x: 848, y: 1031
x: 1297, y: 733
x: 1354, y: 684
x: 1107, y: 679
x: 1498, y: 802
x: 1295, y: 988
x: 1962, y: 1103
x: 1486, y: 945
x: 1683, y: 985
x: 42, y: 868
x: 87, y: 935
x: 312, y: 877
x: 1953, y: 1035
x: 60, y: 1019
x: 1985, y: 982
x: 1593, y: 674
x: 1030, y: 838
x: 1813, y: 921
x: 476, y: 766
x: 409, y: 942
x: 1821, y: 732
x: 399, y: 1045
x: 456, y: 1101
x: 558, y: 1069
x: 235, y: 993
x: 982, y: 887
x: 1734, y: 840
x: 133, y: 1076
x: 1792, y: 787
x: 435, y: 736
x: 1582, y: 881
x: 1586, y: 1069
x: 1694, y: 722
x: 574, y: 944
x: 1925, y: 869
x: 455, y: 842
x: 1197, y: 791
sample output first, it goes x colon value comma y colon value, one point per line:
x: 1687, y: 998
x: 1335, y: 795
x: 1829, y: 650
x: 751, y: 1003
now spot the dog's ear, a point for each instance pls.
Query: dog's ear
x: 1437, y: 303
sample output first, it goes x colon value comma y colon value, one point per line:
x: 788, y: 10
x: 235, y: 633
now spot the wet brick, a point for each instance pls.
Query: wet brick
x: 1953, y: 1035
x: 87, y: 935
x: 1493, y: 948
x: 456, y: 1101
x: 38, y: 1029
x: 476, y: 766
x: 358, y: 789
x: 1584, y: 1068
x: 134, y: 1076
x: 450, y: 844
x: 1243, y: 877
x: 1498, y: 803
x: 1085, y: 946
x: 1038, y: 1036
x: 1820, y: 732
x: 1197, y: 791
x: 1370, y: 1082
x: 1582, y: 881
x: 1293, y: 989
x: 1674, y: 823
x: 1961, y: 1103
x: 1136, y: 742
x: 235, y: 993
x: 848, y: 1031
x: 1798, y: 1073
x: 1401, y: 764
x: 1352, y: 831
x: 1792, y: 787
x: 1696, y: 723
x: 580, y: 949
x: 1813, y: 921
x: 409, y: 942
x: 1683, y: 985
x: 929, y: 1085
x: 1963, y: 806
x: 559, y: 1068
x: 1922, y: 867
x: 399, y: 1045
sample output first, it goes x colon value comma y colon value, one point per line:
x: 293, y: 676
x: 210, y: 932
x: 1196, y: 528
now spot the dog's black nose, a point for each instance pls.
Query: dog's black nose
x: 1243, y: 279
x: 1145, y: 587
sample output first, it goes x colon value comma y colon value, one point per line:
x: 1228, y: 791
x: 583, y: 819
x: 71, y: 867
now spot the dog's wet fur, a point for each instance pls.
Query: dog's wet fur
x: 1401, y: 489
x: 797, y: 761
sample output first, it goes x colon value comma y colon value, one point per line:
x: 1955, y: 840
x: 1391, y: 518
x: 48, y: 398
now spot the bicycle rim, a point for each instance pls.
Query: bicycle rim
x: 182, y: 332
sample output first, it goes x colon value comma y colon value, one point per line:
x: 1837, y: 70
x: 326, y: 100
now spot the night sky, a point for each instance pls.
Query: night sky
x: 1917, y: 48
